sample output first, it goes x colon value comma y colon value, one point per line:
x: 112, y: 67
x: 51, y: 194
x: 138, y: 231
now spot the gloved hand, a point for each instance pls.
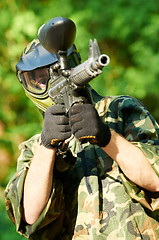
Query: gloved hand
x: 86, y: 124
x: 56, y: 126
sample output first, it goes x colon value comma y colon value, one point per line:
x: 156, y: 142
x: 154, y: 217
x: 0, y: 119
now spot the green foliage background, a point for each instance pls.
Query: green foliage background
x: 126, y: 30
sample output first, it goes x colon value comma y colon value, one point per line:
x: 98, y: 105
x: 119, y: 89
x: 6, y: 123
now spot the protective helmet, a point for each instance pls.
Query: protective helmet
x: 33, y: 71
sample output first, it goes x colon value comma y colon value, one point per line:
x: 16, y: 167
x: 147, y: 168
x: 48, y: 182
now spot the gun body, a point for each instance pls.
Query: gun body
x: 70, y: 88
x: 65, y: 93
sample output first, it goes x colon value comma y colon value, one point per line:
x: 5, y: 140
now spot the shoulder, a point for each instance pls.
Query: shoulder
x: 30, y: 143
x: 27, y: 149
x: 117, y: 103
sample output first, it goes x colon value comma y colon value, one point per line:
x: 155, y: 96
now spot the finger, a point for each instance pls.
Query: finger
x: 63, y: 128
x: 56, y: 109
x: 80, y: 134
x: 66, y: 135
x: 76, y: 127
x: 75, y: 119
x: 75, y: 109
x: 61, y: 120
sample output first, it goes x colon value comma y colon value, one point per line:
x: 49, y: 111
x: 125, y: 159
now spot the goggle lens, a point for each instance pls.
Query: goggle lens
x: 36, y: 80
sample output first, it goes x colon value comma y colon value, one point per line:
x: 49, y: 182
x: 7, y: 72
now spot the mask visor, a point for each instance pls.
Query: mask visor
x: 35, y: 81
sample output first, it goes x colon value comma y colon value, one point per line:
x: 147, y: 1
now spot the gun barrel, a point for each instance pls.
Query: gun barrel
x: 103, y: 60
x: 88, y: 70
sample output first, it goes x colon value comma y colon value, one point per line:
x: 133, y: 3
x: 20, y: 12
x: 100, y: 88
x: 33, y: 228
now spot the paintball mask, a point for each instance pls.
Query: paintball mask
x: 35, y: 71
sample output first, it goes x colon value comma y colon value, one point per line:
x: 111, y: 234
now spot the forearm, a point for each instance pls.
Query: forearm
x: 133, y: 162
x: 38, y: 183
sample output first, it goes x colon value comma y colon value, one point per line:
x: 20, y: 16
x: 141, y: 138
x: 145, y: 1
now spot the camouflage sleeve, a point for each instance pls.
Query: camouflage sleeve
x: 131, y: 119
x: 14, y: 189
x: 145, y: 198
x: 14, y: 194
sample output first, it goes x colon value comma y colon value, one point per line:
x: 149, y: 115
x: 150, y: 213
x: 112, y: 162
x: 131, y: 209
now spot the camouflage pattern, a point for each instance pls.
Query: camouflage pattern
x: 92, y: 199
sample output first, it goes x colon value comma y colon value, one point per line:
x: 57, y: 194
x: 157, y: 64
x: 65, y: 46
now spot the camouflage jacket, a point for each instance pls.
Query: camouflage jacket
x: 91, y: 198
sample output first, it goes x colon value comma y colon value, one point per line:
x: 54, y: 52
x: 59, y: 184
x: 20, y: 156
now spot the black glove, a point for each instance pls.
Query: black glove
x: 86, y: 124
x: 56, y: 126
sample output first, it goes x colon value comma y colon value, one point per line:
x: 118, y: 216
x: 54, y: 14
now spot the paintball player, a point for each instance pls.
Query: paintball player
x: 104, y: 188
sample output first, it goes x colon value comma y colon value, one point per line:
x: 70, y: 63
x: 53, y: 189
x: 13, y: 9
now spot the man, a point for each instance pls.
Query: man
x: 103, y: 188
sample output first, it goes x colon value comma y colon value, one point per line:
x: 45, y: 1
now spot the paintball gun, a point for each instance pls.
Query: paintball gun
x: 68, y: 87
